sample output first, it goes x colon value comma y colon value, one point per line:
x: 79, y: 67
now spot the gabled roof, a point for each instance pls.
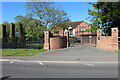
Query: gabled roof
x: 75, y: 24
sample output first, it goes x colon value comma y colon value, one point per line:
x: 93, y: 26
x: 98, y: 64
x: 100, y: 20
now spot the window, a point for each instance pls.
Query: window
x: 82, y: 29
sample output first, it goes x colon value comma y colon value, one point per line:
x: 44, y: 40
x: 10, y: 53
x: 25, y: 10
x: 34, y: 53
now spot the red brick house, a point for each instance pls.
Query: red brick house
x: 77, y: 29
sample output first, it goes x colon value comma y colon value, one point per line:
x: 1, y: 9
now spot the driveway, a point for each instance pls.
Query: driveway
x: 84, y: 54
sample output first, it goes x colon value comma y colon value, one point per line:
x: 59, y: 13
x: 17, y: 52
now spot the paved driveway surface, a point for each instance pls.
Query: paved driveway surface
x: 86, y: 54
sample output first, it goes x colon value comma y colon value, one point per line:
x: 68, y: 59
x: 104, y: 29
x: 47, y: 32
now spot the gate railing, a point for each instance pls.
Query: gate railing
x: 28, y: 42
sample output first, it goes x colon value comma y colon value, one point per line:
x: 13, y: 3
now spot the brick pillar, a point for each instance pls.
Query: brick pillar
x: 90, y: 39
x: 99, y: 34
x: 67, y: 35
x: 114, y: 39
x: 68, y: 40
x: 47, y: 40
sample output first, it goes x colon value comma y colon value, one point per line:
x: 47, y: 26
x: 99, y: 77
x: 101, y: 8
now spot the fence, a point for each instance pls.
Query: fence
x: 28, y: 42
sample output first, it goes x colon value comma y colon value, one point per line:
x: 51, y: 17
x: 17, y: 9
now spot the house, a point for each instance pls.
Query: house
x: 77, y: 29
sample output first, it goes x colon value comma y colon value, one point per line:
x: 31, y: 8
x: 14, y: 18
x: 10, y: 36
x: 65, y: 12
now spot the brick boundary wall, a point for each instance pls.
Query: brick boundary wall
x: 53, y: 43
x: 108, y: 42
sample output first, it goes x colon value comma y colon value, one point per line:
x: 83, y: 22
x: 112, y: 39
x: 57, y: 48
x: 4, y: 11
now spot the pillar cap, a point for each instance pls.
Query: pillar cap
x: 46, y: 31
x: 115, y: 28
x: 99, y: 30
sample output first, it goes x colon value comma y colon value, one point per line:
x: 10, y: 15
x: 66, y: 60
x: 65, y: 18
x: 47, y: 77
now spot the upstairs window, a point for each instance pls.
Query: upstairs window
x: 82, y: 29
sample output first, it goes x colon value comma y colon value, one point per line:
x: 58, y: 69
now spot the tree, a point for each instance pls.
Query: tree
x: 30, y: 25
x: 34, y: 32
x: 35, y: 29
x: 35, y: 22
x: 105, y: 15
x: 23, y: 19
x: 49, y: 15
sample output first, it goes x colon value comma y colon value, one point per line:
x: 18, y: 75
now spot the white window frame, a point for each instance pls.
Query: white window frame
x: 83, y: 29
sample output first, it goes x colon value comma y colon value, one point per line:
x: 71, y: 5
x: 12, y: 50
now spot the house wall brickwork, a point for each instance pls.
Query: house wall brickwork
x: 82, y: 25
x: 108, y: 42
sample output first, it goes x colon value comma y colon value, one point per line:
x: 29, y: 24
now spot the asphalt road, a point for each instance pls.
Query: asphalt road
x: 59, y: 70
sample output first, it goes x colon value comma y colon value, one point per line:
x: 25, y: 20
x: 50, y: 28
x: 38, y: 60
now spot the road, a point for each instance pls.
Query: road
x: 59, y: 70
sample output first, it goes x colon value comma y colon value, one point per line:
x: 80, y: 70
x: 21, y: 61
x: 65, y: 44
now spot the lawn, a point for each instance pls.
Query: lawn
x: 21, y: 52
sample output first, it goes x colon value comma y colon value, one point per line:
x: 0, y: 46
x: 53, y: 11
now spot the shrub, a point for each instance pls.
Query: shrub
x: 3, y: 32
x: 20, y: 30
x: 12, y: 30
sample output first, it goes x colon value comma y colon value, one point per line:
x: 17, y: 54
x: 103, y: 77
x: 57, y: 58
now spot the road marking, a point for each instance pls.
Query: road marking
x: 11, y: 62
x: 58, y: 61
x: 90, y: 64
x: 40, y: 63
x: 7, y: 59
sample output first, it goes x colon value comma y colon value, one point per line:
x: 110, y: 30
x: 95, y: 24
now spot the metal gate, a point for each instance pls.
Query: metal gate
x: 85, y: 41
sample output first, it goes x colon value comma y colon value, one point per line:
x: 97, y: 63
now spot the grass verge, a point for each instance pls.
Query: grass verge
x: 21, y: 52
x: 117, y: 51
